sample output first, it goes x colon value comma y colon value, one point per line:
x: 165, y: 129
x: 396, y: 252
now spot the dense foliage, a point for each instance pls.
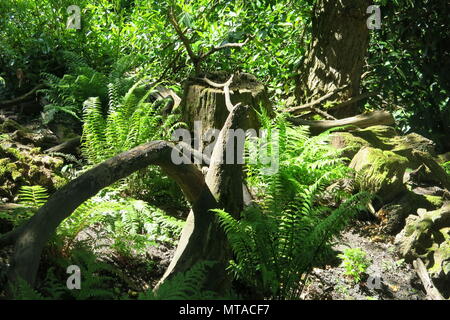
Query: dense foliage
x: 99, y: 82
x: 279, y: 239
x: 409, y: 63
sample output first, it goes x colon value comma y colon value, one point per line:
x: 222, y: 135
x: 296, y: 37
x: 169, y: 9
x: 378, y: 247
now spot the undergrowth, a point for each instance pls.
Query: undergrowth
x: 287, y: 231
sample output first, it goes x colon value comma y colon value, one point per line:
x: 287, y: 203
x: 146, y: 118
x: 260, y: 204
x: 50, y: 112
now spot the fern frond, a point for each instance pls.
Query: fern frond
x: 32, y: 196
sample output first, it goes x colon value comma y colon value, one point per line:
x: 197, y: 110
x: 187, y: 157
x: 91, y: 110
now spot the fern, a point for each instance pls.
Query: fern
x: 96, y: 279
x: 32, y: 196
x: 132, y: 224
x: 446, y: 167
x: 130, y: 120
x: 23, y: 291
x: 183, y: 286
x: 67, y: 94
x: 277, y: 241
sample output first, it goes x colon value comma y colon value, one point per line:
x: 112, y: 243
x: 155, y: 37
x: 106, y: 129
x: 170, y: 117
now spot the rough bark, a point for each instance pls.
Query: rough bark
x: 336, y: 54
x: 222, y: 187
x: 204, y: 239
x: 202, y: 102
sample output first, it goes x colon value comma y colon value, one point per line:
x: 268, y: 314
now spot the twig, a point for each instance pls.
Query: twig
x: 224, y: 46
x: 308, y: 106
x: 194, y: 58
x: 198, y: 58
x: 355, y: 99
x: 323, y: 113
x: 14, y: 101
x: 431, y: 290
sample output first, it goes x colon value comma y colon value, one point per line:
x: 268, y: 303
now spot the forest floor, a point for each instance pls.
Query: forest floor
x: 397, y: 279
x: 388, y: 277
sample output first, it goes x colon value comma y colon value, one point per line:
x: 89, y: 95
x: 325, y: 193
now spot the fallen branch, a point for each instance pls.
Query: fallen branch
x: 354, y: 100
x: 323, y: 113
x: 360, y: 121
x: 22, y: 98
x: 202, y: 238
x: 432, y: 292
x: 69, y: 146
x: 31, y: 237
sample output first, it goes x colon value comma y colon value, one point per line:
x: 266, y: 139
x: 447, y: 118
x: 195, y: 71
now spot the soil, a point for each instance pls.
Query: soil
x: 387, y: 278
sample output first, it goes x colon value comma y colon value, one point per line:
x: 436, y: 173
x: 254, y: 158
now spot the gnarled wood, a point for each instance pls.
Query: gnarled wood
x: 432, y: 292
x: 208, y: 104
x: 360, y: 121
x: 31, y: 238
x: 203, y: 238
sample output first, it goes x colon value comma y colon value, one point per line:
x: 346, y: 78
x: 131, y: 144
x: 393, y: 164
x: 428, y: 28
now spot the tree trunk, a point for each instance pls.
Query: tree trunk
x: 336, y: 54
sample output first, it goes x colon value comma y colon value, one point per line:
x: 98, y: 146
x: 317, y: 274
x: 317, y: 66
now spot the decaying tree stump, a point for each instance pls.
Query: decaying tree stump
x: 207, y: 104
x: 202, y: 238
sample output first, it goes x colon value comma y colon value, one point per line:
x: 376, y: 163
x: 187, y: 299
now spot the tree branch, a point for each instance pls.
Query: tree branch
x: 354, y: 99
x: 226, y: 90
x: 195, y: 58
x: 186, y: 42
x: 431, y: 290
x: 32, y: 237
x: 22, y: 98
x: 308, y: 106
x: 224, y: 46
x: 361, y: 121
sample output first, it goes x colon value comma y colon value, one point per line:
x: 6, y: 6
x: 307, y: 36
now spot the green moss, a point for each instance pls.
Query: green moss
x: 16, y: 174
x: 380, y: 137
x: 14, y: 153
x: 7, y: 167
x: 380, y: 172
x: 59, y: 181
x: 33, y: 169
x: 435, y: 200
x: 347, y: 142
x: 413, y: 141
x: 3, y: 166
x: 56, y: 163
x: 35, y: 151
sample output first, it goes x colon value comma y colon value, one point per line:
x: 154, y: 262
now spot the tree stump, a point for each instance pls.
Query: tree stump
x: 205, y: 105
